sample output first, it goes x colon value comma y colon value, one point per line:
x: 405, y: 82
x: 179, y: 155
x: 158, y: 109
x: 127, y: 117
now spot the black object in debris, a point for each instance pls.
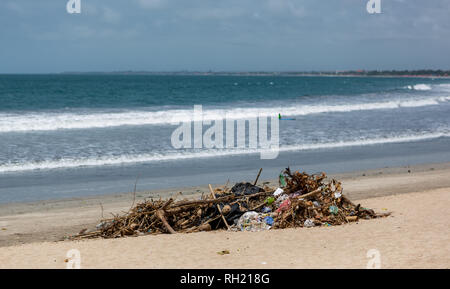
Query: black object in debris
x: 233, y: 213
x: 237, y: 209
x: 245, y: 189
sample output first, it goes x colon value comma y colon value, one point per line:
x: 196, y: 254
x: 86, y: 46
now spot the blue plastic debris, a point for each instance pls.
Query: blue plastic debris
x: 268, y: 220
x: 266, y: 210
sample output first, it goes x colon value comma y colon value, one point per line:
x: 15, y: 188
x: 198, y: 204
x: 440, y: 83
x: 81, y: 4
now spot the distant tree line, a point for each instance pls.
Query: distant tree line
x: 421, y: 72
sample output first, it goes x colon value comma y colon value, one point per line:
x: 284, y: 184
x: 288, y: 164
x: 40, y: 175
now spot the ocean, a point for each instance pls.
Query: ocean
x: 66, y: 136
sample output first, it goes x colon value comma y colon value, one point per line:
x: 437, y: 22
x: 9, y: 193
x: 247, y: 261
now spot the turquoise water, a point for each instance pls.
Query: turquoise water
x: 61, y: 92
x: 61, y: 134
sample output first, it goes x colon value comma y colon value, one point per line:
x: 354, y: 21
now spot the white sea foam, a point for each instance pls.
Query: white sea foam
x: 180, y: 155
x: 443, y: 87
x: 56, y: 121
x: 419, y: 103
x: 419, y: 87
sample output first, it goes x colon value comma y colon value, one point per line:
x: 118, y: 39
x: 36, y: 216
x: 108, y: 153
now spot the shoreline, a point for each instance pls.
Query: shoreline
x: 189, y: 191
x: 47, y: 221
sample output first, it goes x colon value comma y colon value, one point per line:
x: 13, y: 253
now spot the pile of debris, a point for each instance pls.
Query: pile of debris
x: 302, y: 200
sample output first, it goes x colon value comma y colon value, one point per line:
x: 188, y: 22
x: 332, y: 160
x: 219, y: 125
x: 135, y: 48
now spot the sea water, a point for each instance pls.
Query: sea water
x: 78, y: 135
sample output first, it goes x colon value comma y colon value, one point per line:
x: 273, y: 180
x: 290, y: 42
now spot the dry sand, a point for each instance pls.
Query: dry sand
x: 415, y: 236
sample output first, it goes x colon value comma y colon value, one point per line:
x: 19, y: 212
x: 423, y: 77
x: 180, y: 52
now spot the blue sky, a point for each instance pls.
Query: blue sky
x: 222, y: 35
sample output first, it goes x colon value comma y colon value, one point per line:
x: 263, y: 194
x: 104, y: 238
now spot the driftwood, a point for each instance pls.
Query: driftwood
x: 307, y: 200
x: 218, y: 207
x: 160, y: 214
x: 309, y: 194
x: 257, y: 177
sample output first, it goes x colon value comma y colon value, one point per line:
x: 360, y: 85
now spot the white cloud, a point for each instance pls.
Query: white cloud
x: 81, y: 31
x: 152, y: 4
x: 89, y: 9
x: 110, y: 16
x: 283, y: 6
x: 211, y: 13
x: 13, y: 6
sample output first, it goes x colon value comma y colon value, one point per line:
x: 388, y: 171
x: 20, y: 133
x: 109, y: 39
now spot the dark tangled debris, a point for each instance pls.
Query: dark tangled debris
x: 305, y: 201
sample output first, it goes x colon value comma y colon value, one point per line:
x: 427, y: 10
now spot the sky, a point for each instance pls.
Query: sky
x: 223, y: 35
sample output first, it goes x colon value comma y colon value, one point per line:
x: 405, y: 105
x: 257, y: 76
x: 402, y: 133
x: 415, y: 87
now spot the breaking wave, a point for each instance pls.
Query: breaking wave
x: 180, y: 155
x: 50, y: 121
x: 419, y: 87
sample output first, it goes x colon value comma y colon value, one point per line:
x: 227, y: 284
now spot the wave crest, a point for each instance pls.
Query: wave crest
x: 58, y: 121
x: 170, y: 156
x: 419, y: 87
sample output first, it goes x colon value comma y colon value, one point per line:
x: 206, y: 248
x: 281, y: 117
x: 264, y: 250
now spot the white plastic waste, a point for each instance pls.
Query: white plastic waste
x: 281, y: 199
x: 308, y: 223
x: 252, y: 221
x: 278, y: 192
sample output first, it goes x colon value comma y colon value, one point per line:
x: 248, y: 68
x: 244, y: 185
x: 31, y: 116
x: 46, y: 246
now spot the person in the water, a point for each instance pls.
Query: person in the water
x: 280, y: 118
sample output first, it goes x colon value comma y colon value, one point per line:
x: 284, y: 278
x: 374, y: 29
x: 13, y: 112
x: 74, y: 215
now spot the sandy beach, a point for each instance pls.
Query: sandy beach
x: 415, y: 236
x: 198, y: 135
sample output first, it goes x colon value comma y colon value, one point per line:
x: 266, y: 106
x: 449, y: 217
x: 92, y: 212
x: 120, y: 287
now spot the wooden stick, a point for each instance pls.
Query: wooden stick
x: 160, y: 214
x: 226, y: 186
x: 257, y: 177
x: 218, y: 207
x: 180, y: 207
x: 258, y: 206
x: 192, y: 229
x: 134, y: 194
x: 212, y: 201
x: 351, y: 218
x: 167, y: 203
x: 309, y: 194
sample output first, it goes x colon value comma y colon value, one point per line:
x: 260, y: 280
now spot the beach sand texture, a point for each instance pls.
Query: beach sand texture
x: 415, y: 236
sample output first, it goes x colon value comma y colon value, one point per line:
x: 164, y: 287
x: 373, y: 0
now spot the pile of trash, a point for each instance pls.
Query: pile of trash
x: 302, y: 200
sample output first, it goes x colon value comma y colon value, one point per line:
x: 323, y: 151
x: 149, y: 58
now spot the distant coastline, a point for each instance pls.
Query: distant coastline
x: 349, y: 73
x: 425, y: 73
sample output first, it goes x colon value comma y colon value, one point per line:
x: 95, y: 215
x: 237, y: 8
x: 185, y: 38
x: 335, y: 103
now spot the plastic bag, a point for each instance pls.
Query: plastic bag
x: 253, y: 221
